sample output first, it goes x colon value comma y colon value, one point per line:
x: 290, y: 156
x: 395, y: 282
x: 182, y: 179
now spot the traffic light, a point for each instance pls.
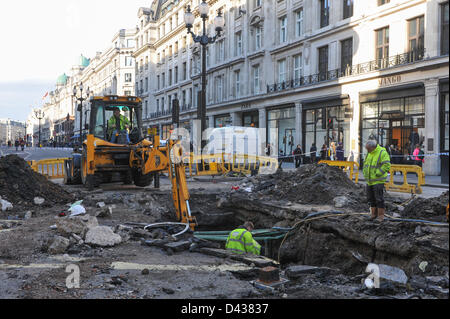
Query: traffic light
x: 330, y: 123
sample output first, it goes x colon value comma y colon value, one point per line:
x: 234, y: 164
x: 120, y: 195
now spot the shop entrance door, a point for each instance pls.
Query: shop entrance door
x: 288, y: 141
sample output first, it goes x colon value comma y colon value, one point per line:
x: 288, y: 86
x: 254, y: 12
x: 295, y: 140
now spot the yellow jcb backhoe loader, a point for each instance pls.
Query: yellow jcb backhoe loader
x: 115, y: 146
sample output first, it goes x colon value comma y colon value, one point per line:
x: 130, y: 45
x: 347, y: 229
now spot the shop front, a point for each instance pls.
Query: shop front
x: 250, y: 119
x: 281, y: 129
x: 325, y: 124
x: 444, y: 127
x: 394, y: 117
x: 223, y: 120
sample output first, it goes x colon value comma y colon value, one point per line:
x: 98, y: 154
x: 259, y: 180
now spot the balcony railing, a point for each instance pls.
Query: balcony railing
x: 183, y: 108
x: 362, y: 68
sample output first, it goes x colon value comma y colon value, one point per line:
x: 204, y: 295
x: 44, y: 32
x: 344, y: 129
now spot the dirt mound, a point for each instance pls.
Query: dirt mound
x: 310, y: 184
x: 430, y: 208
x: 19, y: 184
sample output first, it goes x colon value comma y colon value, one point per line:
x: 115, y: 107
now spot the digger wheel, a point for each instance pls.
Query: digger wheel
x: 90, y: 181
x: 142, y: 180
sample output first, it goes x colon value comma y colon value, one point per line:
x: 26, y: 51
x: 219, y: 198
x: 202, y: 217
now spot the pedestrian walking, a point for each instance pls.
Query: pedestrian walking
x: 340, y: 152
x: 16, y: 144
x: 313, y: 151
x: 376, y: 168
x: 298, y: 153
x: 418, y: 156
x: 323, y: 152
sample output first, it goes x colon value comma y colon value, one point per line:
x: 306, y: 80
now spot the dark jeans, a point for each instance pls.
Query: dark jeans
x: 298, y: 162
x: 375, y: 195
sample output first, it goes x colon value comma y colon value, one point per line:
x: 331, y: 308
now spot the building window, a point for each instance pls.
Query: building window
x: 128, y: 77
x: 146, y: 84
x: 258, y: 37
x: 348, y: 9
x: 157, y: 82
x: 381, y: 2
x: 219, y: 88
x: 220, y: 52
x: 184, y: 70
x: 128, y: 61
x: 298, y: 67
x: 183, y: 98
x: 416, y: 38
x: 299, y: 23
x: 256, y: 79
x: 146, y: 109
x: 282, y: 71
x: 257, y: 3
x: 176, y: 47
x: 163, y: 80
x: 159, y: 57
x: 238, y: 44
x: 323, y: 63
x: 184, y: 42
x: 237, y: 78
x: 157, y: 105
x: 444, y: 28
x: 162, y: 104
x: 382, y: 47
x: 170, y: 77
x: 324, y: 13
x: 283, y: 30
x: 346, y: 56
x: 176, y: 74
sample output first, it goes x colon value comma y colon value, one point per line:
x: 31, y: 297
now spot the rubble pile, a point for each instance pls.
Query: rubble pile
x: 429, y: 208
x: 310, y: 184
x: 19, y: 184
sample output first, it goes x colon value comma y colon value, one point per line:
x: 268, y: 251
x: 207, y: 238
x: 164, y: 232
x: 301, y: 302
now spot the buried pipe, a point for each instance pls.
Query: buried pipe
x: 169, y: 224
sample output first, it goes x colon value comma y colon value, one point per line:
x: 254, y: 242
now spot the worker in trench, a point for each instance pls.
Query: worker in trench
x: 240, y: 241
x: 376, y: 168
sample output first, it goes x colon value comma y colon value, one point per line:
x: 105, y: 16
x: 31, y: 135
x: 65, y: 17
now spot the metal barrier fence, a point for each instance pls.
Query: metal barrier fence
x: 406, y: 187
x: 350, y: 166
x: 51, y: 168
x: 222, y: 164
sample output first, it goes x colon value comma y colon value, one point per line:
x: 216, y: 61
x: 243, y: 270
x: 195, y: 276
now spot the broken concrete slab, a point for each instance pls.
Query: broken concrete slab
x: 102, y: 236
x: 5, y: 205
x: 78, y: 225
x: 387, y: 273
x: 59, y: 245
x: 295, y: 272
x: 258, y: 261
x: 178, y: 246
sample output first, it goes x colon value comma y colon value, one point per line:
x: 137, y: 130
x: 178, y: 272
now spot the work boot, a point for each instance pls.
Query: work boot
x: 381, y: 214
x: 374, y: 215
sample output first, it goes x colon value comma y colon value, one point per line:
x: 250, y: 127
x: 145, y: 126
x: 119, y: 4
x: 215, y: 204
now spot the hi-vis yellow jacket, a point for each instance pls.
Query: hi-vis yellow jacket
x: 241, y: 241
x: 377, y: 166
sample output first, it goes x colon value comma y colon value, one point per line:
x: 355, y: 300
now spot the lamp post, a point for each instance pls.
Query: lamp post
x: 80, y: 99
x: 39, y: 114
x: 204, y: 40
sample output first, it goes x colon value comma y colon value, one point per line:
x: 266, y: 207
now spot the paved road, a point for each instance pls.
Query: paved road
x: 36, y: 154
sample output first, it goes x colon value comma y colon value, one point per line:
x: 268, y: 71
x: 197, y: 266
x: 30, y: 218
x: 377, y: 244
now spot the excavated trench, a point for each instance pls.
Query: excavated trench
x: 346, y: 243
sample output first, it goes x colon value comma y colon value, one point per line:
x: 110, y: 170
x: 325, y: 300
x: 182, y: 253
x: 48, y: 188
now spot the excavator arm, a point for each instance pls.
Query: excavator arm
x: 180, y: 192
x: 169, y: 158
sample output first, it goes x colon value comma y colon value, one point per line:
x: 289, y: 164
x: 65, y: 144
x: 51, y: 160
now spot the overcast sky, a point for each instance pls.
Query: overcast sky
x: 42, y: 39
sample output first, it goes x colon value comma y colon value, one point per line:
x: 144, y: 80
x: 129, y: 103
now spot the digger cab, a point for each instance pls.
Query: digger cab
x: 102, y: 111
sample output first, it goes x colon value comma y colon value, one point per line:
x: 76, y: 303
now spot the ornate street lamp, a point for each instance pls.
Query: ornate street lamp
x: 80, y: 99
x: 39, y: 114
x: 204, y: 40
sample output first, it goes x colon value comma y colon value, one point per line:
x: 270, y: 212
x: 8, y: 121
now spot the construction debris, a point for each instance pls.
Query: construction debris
x: 310, y: 184
x: 102, y: 236
x: 19, y: 184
